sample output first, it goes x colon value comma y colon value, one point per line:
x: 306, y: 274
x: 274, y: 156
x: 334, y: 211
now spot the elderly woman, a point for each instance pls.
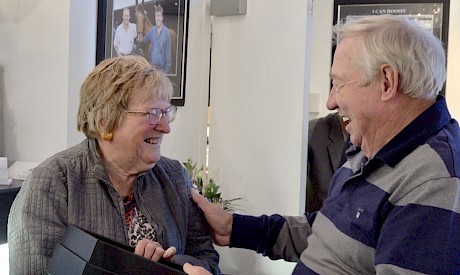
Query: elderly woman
x: 115, y: 183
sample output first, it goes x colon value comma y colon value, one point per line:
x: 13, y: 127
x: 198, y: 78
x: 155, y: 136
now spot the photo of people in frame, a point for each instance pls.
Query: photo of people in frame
x: 154, y: 29
x: 156, y: 24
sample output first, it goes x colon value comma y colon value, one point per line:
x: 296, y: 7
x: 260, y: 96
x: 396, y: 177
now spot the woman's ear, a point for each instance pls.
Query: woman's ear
x: 107, y: 136
x: 390, y: 82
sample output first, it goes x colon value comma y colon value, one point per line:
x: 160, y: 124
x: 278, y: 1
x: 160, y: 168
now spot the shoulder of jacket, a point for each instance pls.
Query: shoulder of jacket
x: 169, y: 164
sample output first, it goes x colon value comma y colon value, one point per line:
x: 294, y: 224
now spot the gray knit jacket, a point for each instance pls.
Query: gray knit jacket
x: 72, y: 187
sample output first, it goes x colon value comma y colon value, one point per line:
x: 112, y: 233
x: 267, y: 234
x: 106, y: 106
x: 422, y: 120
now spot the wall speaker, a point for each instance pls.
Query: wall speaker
x: 228, y: 7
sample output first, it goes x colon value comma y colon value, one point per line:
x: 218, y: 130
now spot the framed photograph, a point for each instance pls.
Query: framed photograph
x: 154, y: 29
x: 432, y: 14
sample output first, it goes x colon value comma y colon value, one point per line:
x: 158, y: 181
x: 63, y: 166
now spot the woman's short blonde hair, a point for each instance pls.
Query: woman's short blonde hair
x: 108, y: 89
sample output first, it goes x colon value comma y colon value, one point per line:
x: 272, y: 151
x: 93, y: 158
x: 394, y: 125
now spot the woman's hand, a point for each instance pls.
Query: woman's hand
x: 195, y: 270
x: 153, y: 250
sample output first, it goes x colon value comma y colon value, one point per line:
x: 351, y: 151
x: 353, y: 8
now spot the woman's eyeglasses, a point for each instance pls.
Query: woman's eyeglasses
x: 154, y: 115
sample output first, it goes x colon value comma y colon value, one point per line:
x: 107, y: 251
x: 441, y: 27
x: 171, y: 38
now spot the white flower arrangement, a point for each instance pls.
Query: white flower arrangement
x: 209, y: 189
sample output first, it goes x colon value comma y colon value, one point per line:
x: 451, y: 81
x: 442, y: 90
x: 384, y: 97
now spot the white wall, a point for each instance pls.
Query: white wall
x: 259, y: 96
x: 321, y: 48
x: 34, y: 56
x: 188, y: 132
x: 453, y: 58
x: 82, y: 42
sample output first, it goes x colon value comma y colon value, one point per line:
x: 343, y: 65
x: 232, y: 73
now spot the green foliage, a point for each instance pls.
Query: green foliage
x: 212, y: 191
x: 196, y: 175
x: 209, y: 190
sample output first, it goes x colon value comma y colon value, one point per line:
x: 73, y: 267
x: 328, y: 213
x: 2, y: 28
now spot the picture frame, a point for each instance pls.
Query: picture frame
x: 166, y: 52
x: 433, y: 14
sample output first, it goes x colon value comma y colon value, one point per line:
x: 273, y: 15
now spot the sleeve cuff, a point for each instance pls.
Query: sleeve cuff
x: 255, y: 233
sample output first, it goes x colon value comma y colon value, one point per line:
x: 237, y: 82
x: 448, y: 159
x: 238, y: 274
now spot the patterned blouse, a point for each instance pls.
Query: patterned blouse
x: 138, y: 226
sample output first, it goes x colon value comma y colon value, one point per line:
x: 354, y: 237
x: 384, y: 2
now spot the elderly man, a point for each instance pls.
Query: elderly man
x: 394, y: 206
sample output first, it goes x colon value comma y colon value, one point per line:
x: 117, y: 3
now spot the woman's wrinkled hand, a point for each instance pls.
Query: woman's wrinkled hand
x: 153, y: 250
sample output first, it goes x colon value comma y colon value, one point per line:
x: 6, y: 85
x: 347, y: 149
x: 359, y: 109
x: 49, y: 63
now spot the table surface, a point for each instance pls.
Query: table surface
x: 7, y: 195
x: 13, y: 186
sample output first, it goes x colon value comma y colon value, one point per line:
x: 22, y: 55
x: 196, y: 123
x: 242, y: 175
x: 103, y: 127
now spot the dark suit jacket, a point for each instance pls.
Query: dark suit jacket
x: 325, y: 153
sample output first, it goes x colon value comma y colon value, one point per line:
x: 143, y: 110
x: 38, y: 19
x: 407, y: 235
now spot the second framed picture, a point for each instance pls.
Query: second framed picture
x: 432, y: 14
x: 155, y: 29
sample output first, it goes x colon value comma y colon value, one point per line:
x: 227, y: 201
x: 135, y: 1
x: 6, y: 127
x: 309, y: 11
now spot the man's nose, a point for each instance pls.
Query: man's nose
x: 331, y: 103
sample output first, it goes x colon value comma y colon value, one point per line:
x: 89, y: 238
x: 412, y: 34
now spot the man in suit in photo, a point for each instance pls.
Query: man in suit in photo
x: 327, y: 139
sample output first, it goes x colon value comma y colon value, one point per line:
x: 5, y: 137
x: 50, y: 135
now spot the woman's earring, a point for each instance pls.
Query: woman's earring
x: 107, y: 137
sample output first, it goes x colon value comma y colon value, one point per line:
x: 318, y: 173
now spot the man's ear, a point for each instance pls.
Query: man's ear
x: 390, y: 82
